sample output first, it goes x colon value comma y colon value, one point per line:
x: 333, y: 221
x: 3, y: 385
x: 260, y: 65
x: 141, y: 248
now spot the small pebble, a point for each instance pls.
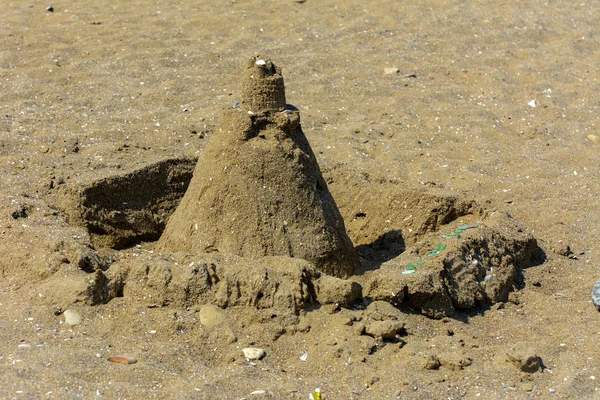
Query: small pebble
x: 384, y: 329
x: 431, y: 362
x: 72, y: 317
x: 391, y: 71
x: 525, y: 359
x: 122, y: 359
x: 596, y: 295
x: 50, y: 9
x: 253, y: 353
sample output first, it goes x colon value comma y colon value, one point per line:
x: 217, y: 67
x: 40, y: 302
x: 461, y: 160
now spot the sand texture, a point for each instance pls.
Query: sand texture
x: 414, y: 216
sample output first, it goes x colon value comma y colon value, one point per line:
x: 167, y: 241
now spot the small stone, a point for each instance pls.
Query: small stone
x: 382, y: 311
x: 371, y: 381
x: 431, y: 362
x: 19, y: 212
x: 122, y: 359
x: 563, y: 249
x: 594, y: 138
x: 524, y: 358
x: 72, y: 317
x: 384, y: 329
x: 596, y: 295
x: 253, y: 353
x: 454, y: 361
x: 50, y: 9
x: 391, y: 71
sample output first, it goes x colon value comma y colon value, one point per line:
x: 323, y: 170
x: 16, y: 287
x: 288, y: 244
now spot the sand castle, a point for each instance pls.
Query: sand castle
x: 257, y: 189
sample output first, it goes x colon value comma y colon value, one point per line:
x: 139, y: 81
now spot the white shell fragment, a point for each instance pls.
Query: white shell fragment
x: 72, y: 317
x: 260, y: 62
x: 531, y: 103
x: 596, y: 295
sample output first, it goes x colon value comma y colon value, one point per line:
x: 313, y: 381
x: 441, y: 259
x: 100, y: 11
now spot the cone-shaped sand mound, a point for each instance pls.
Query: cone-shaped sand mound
x: 257, y: 189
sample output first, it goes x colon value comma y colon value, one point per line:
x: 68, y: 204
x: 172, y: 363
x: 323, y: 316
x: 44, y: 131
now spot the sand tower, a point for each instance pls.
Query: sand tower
x: 257, y: 189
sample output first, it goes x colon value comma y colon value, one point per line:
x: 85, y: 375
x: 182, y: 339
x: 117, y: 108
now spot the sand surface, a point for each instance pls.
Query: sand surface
x: 492, y: 102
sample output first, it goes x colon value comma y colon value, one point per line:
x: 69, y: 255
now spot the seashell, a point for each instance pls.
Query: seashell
x: 122, y: 359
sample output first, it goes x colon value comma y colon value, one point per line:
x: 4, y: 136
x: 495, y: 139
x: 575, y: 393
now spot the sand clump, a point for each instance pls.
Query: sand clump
x: 257, y: 189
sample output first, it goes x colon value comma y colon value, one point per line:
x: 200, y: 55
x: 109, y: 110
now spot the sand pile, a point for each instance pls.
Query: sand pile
x: 257, y: 189
x: 257, y: 226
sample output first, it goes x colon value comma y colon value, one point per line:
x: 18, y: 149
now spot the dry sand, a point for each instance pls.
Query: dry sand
x: 492, y: 102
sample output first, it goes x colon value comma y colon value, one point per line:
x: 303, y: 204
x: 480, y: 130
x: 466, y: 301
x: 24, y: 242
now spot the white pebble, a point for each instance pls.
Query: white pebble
x: 252, y: 353
x: 391, y: 71
x: 531, y: 103
x: 72, y: 317
x: 260, y: 62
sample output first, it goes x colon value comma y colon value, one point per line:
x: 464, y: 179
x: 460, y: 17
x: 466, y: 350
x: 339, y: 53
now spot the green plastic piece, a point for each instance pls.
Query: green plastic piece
x: 433, y: 253
x: 420, y: 263
x: 440, y: 247
x: 411, y: 267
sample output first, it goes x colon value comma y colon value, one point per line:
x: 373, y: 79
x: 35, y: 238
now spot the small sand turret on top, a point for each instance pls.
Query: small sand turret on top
x: 257, y: 189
